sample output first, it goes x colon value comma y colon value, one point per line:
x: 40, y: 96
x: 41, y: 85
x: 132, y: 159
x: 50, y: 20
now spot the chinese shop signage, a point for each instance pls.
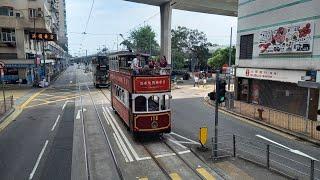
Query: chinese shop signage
x: 294, y: 38
x: 43, y: 36
x: 271, y: 74
x: 151, y: 84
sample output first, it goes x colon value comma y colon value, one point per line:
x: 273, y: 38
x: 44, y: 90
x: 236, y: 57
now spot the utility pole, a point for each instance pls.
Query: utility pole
x: 216, y: 117
x: 229, y: 74
x: 44, y: 60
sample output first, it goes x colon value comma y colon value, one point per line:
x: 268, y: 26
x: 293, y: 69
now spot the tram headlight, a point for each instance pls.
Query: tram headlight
x: 154, y: 124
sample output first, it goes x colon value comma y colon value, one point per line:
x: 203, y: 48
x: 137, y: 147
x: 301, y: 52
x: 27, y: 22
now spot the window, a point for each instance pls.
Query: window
x: 32, y: 13
x: 153, y: 103
x: 6, y: 11
x: 140, y: 104
x: 246, y: 46
x: 8, y: 35
x: 165, y: 102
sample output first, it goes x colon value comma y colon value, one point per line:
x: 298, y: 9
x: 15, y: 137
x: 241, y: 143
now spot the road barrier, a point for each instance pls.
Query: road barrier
x: 273, y: 156
x: 6, y: 105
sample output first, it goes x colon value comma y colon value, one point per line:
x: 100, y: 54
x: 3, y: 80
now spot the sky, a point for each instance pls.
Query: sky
x: 109, y: 18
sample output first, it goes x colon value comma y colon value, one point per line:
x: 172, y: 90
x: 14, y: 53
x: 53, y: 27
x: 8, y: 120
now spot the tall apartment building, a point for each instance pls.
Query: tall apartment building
x: 18, y: 19
x: 278, y: 45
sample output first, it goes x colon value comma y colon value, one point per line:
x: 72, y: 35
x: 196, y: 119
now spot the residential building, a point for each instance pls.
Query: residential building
x: 20, y: 54
x: 278, y: 45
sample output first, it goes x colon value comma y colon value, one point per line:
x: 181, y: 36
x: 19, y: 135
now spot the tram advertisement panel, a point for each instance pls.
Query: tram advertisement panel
x: 151, y: 84
x: 121, y: 79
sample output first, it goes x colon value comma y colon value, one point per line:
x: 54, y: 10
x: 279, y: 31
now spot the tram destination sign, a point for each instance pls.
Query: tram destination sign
x: 151, y: 84
x: 43, y: 36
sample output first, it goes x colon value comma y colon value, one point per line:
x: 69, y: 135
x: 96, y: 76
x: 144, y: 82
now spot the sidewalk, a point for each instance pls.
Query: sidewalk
x: 287, y: 123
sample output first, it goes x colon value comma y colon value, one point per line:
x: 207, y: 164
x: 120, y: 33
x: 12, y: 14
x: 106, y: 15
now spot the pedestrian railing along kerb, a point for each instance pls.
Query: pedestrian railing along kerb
x: 286, y: 161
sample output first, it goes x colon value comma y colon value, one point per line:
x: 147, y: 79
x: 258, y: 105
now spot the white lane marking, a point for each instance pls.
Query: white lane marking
x: 187, y: 142
x: 165, y: 155
x: 64, y: 105
x: 55, y: 123
x: 291, y: 150
x: 144, y: 158
x: 190, y: 140
x: 177, y: 143
x: 120, y: 147
x: 123, y: 136
x: 121, y: 141
x: 78, y: 114
x: 184, y: 152
x: 38, y: 160
x: 105, y: 116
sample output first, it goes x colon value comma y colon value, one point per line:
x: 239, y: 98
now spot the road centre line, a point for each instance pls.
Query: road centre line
x: 78, y: 114
x: 38, y: 160
x: 121, y: 142
x: 190, y: 140
x: 287, y: 148
x: 54, y: 125
x: 165, y: 155
x: 119, y: 146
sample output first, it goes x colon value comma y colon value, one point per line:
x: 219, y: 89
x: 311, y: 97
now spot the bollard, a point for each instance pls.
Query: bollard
x: 312, y: 170
x: 268, y: 156
x: 234, y: 145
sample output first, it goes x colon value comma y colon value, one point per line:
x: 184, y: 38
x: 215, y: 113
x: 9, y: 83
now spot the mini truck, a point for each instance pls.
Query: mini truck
x: 100, y: 71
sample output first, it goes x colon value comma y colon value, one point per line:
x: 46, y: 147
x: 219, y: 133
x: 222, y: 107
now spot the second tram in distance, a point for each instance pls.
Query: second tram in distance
x: 140, y: 92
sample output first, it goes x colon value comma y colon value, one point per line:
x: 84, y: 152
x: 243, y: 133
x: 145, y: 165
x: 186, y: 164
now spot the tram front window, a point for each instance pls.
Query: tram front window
x: 140, y: 104
x: 153, y: 103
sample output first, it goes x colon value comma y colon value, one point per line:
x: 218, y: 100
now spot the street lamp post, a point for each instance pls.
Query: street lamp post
x: 229, y: 74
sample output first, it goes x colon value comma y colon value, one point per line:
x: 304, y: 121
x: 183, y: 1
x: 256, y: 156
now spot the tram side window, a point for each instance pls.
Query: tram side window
x: 165, y: 102
x: 153, y: 103
x: 140, y: 104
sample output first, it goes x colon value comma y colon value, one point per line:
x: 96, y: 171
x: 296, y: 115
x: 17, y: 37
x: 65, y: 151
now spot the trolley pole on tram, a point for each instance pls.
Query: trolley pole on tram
x: 215, y: 144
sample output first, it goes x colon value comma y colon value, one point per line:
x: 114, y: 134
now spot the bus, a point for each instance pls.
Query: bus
x: 100, y: 71
x: 141, y: 97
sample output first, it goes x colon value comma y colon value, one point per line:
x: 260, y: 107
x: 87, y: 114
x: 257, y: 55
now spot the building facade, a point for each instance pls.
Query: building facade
x: 22, y: 56
x: 278, y: 45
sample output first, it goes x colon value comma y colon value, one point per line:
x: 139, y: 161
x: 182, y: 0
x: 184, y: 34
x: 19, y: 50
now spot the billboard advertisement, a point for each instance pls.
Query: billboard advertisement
x: 293, y: 38
x: 152, y: 84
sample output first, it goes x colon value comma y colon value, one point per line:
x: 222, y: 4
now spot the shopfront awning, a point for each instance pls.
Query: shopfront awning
x: 18, y: 63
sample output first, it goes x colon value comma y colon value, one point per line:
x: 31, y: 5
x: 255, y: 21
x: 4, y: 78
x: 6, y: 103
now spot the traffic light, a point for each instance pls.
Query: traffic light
x: 222, y: 91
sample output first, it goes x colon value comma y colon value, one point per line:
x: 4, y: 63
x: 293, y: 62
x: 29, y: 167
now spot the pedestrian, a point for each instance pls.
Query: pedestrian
x: 196, y: 81
x: 204, y: 81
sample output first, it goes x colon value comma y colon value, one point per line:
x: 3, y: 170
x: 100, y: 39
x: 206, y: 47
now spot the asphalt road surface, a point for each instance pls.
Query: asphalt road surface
x: 190, y: 112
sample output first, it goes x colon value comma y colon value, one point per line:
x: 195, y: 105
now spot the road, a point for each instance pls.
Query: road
x: 190, y: 112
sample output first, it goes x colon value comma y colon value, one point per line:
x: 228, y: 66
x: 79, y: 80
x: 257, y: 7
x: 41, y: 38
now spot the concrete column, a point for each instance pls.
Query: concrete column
x: 20, y: 43
x: 166, y: 14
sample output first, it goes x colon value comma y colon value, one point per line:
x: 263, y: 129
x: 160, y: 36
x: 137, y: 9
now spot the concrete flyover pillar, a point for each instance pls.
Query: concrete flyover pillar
x: 166, y: 14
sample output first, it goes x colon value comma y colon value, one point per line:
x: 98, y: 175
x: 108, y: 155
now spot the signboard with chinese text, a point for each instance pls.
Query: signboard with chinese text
x: 43, y: 36
x: 152, y: 84
x: 121, y: 80
x: 271, y: 74
x: 293, y: 38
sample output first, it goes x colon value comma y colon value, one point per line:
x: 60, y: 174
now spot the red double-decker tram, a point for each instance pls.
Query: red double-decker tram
x: 140, y: 92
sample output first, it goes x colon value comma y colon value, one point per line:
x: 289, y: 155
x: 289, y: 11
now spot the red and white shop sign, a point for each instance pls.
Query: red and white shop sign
x: 271, y: 74
x: 151, y: 84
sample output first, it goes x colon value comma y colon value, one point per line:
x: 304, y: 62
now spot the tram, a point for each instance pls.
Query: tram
x: 100, y: 68
x: 140, y: 92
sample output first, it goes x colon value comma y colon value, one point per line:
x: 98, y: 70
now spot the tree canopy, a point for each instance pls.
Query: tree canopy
x: 221, y: 57
x: 142, y: 40
x: 189, y: 44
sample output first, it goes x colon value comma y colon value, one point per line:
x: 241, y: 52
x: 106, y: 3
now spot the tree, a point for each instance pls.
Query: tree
x: 190, y: 44
x: 221, y: 57
x: 142, y: 40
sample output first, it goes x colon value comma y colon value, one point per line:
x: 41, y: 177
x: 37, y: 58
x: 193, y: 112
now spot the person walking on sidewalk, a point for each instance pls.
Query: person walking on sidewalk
x: 196, y: 80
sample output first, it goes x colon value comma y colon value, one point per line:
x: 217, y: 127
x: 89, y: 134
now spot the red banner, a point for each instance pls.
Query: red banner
x: 151, y: 84
x: 121, y: 79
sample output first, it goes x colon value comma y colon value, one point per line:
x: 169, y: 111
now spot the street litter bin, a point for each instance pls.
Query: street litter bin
x: 260, y: 111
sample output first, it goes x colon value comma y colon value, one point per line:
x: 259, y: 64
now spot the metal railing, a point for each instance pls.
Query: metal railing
x: 270, y: 156
x: 278, y: 118
x: 6, y: 105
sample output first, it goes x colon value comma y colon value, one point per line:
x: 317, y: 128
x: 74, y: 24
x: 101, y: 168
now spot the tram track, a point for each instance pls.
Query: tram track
x: 108, y: 143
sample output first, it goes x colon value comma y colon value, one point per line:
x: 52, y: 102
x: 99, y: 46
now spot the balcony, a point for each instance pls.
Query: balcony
x: 13, y: 22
